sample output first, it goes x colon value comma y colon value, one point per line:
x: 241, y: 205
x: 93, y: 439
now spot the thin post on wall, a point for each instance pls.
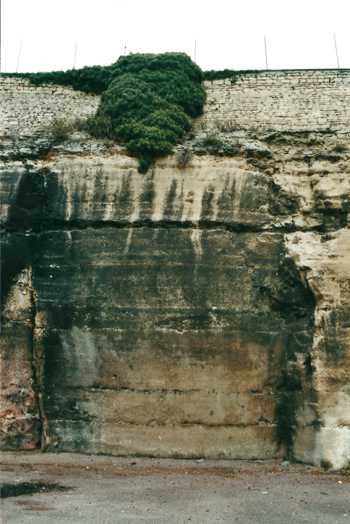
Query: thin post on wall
x: 19, y: 54
x: 267, y: 65
x: 75, y: 55
x: 336, y: 50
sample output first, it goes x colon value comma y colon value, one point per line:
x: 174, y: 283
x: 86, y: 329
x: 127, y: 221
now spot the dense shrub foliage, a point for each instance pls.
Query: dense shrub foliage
x: 94, y: 79
x: 149, y: 103
x: 226, y: 73
x: 141, y: 118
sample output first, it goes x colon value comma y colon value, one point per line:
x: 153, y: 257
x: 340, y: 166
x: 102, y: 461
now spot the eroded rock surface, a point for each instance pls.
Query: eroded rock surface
x: 195, y: 311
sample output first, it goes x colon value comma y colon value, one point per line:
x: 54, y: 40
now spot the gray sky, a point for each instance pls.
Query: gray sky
x: 229, y: 33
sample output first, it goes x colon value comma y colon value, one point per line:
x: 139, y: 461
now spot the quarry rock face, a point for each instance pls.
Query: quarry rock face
x: 196, y: 311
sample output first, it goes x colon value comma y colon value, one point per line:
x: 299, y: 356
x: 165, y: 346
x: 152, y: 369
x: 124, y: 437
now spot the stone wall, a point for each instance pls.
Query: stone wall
x: 287, y: 100
x: 26, y: 107
x: 307, y: 99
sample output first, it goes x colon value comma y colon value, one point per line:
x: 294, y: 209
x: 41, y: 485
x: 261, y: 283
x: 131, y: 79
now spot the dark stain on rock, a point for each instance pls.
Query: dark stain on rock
x: 55, y: 365
x: 169, y: 210
x: 281, y: 202
x: 335, y: 341
x: 56, y: 196
x: 226, y: 200
x: 26, y: 213
x: 147, y: 199
x: 27, y: 210
x: 207, y: 203
x: 15, y: 258
x: 125, y: 200
x: 290, y: 295
x: 255, y: 193
x: 294, y: 301
x: 333, y: 221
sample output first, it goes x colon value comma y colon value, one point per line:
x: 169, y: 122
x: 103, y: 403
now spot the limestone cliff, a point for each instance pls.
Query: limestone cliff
x: 193, y: 311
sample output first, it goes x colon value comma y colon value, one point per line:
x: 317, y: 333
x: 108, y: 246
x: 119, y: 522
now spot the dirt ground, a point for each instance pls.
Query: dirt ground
x: 71, y: 488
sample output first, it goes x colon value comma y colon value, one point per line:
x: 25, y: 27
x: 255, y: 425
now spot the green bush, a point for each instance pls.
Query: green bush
x: 227, y: 73
x: 162, y: 62
x: 94, y: 79
x: 150, y: 102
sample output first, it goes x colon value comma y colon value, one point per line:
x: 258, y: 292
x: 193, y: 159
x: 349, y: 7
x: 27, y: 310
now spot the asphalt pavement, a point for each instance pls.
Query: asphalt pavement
x: 70, y: 488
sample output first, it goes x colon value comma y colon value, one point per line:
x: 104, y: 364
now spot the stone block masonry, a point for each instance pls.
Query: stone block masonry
x: 288, y: 100
x: 26, y: 107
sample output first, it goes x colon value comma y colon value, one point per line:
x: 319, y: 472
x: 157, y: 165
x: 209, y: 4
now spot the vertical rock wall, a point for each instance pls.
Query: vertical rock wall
x: 187, y: 312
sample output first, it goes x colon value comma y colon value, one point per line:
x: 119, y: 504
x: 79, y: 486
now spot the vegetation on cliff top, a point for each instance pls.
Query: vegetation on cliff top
x: 147, y: 100
x: 93, y: 79
x: 226, y: 73
x: 96, y: 79
x: 149, y: 104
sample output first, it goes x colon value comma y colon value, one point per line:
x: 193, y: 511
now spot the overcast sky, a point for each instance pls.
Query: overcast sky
x: 229, y: 33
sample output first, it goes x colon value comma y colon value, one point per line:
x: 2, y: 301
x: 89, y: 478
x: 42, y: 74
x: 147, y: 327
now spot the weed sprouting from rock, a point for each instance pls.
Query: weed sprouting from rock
x: 211, y: 140
x: 60, y: 128
x: 184, y: 156
x: 339, y: 148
